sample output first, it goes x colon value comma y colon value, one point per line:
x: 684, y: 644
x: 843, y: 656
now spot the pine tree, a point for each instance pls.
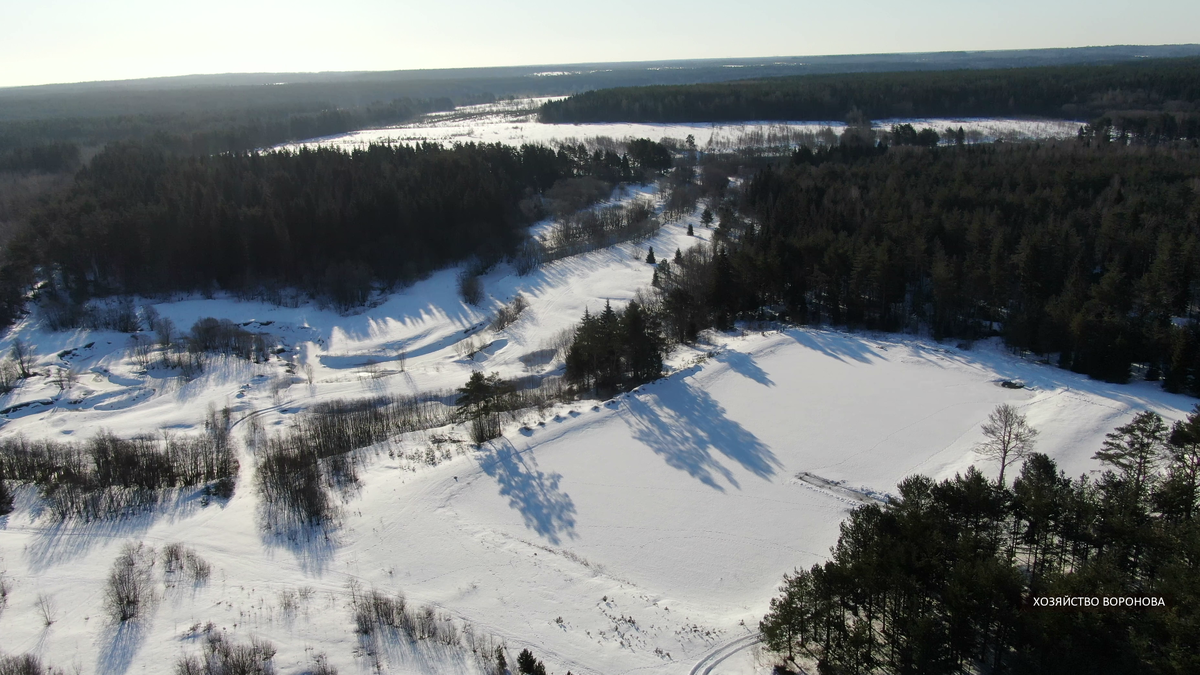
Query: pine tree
x: 678, y: 256
x: 526, y: 664
x: 706, y: 218
x: 691, y: 233
x: 650, y: 256
x: 501, y: 662
x: 1136, y: 450
x: 1181, y: 489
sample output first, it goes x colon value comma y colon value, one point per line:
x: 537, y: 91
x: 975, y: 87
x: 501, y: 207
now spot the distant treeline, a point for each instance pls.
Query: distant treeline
x: 203, y: 133
x: 967, y: 576
x: 1086, y: 250
x: 1158, y: 97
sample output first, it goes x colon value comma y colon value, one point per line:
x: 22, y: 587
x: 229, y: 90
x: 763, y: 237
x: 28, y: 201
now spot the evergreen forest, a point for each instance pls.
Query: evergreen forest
x: 1155, y: 99
x: 957, y: 576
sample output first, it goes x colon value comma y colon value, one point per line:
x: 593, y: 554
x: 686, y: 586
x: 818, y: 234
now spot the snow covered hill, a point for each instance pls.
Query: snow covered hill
x: 647, y: 532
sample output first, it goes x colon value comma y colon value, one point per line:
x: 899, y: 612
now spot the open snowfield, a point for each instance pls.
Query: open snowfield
x: 645, y: 533
x: 515, y: 122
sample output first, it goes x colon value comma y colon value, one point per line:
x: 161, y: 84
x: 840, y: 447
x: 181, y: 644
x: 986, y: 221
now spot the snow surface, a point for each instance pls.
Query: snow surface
x: 643, y: 533
x: 515, y: 122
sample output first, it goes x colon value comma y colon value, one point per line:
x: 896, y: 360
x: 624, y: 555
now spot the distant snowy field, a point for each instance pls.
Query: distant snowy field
x: 515, y: 122
x: 645, y: 533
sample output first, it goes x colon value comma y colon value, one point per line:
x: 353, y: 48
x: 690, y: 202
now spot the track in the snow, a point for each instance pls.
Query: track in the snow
x: 714, y: 658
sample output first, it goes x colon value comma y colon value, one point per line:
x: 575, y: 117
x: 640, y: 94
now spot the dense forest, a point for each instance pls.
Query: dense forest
x: 142, y: 220
x: 967, y: 575
x: 1082, y: 249
x: 23, y: 142
x: 1156, y: 98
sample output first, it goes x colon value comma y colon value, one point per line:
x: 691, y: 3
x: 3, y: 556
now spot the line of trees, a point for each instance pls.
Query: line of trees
x: 1154, y: 99
x: 299, y: 470
x: 944, y: 578
x: 108, y: 474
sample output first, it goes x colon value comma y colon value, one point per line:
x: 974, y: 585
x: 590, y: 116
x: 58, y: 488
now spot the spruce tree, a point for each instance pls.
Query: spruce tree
x: 526, y: 664
x: 678, y: 256
x: 643, y: 345
x: 706, y: 218
x: 501, y: 662
x: 608, y: 349
x: 650, y: 256
x: 691, y: 233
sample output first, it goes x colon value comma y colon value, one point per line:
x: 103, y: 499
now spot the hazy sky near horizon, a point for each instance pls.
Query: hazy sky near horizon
x: 45, y: 41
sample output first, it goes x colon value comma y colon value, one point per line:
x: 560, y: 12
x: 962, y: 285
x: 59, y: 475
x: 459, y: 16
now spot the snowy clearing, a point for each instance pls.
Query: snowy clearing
x: 644, y: 533
x: 515, y: 122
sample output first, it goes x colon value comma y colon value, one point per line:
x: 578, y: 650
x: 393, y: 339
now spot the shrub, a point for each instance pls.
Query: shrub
x: 470, y: 287
x: 222, y: 656
x: 27, y: 664
x: 509, y: 313
x: 180, y: 561
x: 129, y: 587
x: 222, y: 336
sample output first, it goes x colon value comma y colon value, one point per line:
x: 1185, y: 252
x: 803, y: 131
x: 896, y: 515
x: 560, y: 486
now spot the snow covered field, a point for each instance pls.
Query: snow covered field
x: 643, y: 533
x: 516, y: 122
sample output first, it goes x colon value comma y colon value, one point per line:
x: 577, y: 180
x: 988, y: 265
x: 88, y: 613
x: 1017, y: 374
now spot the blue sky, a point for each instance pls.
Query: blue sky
x: 47, y: 41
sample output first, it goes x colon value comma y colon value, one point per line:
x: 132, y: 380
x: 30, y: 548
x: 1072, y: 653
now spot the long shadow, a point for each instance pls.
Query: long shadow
x: 996, y: 358
x: 694, y: 433
x: 120, y: 644
x: 535, y: 494
x: 840, y: 346
x: 312, y: 544
x: 62, y: 541
x: 389, y: 646
x: 743, y: 364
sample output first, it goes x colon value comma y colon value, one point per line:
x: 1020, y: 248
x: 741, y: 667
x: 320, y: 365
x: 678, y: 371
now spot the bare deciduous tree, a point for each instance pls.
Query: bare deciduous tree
x: 65, y: 378
x: 1009, y: 437
x: 22, y: 354
x: 129, y: 586
x: 139, y: 347
x: 46, y: 608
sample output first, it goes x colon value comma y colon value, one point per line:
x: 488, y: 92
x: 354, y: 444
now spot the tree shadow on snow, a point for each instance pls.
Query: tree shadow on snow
x: 120, y: 643
x: 743, y: 364
x: 312, y: 544
x: 64, y: 540
x: 840, y: 346
x: 390, y: 647
x: 685, y: 425
x: 546, y: 509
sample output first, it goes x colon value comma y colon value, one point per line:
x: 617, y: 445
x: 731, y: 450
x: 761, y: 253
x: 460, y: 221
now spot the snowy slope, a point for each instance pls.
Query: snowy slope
x: 642, y: 533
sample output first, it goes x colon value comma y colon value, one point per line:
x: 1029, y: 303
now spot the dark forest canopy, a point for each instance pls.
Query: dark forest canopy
x: 141, y: 220
x: 1087, y: 250
x: 208, y: 132
x: 1161, y: 87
